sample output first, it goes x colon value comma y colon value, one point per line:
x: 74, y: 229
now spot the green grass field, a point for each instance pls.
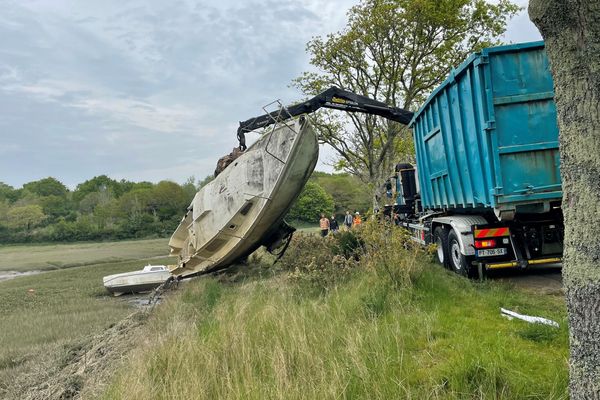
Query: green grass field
x: 54, y: 256
x: 42, y: 315
x: 257, y: 332
x: 262, y: 338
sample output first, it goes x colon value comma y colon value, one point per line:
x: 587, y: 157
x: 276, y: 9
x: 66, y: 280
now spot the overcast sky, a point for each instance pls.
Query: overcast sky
x: 149, y: 90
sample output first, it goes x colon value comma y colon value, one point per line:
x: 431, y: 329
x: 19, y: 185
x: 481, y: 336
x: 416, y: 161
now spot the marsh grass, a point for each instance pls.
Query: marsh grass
x: 45, y: 315
x: 362, y: 338
x: 56, y: 256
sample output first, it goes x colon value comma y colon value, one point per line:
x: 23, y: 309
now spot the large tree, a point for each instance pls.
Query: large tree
x: 47, y: 187
x: 395, y: 51
x: 571, y: 29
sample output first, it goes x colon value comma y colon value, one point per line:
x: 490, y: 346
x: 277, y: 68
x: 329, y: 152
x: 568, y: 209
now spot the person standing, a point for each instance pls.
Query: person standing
x: 348, y: 220
x: 333, y: 224
x: 357, y: 219
x: 324, y: 225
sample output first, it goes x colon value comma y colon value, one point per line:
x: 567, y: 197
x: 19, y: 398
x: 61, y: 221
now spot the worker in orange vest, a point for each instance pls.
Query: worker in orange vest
x: 357, y: 220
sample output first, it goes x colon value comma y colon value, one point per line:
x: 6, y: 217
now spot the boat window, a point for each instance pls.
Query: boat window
x: 156, y: 269
x: 246, y: 208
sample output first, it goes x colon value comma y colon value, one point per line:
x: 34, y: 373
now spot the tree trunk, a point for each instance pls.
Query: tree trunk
x: 571, y: 30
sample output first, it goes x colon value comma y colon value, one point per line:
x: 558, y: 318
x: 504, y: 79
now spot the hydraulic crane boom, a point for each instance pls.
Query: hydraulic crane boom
x: 333, y: 97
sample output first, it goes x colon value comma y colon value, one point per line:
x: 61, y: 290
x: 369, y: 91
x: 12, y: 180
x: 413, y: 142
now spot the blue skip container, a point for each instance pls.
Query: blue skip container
x: 487, y: 138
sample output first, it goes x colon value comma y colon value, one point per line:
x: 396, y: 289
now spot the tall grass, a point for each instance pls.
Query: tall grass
x: 363, y: 337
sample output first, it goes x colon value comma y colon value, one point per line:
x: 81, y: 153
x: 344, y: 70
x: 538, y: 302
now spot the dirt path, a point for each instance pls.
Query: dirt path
x: 544, y: 280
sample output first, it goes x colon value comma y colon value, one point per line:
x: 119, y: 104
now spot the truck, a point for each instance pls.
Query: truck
x: 486, y: 186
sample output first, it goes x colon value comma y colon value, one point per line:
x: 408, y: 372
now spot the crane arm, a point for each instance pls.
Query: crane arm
x: 333, y: 97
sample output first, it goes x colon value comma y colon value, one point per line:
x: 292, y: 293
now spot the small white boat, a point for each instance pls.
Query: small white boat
x: 145, y: 280
x: 244, y: 206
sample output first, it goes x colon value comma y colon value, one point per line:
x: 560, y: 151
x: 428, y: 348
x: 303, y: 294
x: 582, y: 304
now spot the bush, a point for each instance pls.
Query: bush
x: 389, y: 252
x: 378, y: 246
x: 314, y: 263
x: 347, y: 244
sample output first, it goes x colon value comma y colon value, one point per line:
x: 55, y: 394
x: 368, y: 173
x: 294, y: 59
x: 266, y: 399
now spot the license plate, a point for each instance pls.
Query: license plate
x: 491, y: 252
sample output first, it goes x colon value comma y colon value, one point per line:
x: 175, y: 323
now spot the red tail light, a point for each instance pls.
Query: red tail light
x: 483, y: 244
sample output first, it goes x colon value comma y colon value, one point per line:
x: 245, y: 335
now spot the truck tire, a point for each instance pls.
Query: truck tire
x: 459, y: 263
x: 440, y: 238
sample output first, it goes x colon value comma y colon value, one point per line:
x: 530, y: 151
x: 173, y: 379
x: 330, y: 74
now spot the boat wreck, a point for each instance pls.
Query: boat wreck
x: 244, y: 206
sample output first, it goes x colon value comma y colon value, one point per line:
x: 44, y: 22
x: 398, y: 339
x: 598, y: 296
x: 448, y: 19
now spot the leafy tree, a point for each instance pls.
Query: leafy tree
x: 189, y: 188
x: 313, y: 201
x: 347, y: 191
x: 167, y: 199
x: 25, y: 217
x: 55, y: 207
x: 8, y: 192
x: 88, y: 204
x: 4, y: 207
x: 47, y: 187
x: 395, y: 51
x: 208, y: 179
x: 571, y: 30
x: 102, y: 184
x: 133, y: 203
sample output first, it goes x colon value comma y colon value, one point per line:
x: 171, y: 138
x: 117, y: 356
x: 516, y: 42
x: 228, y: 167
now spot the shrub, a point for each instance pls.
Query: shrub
x: 314, y: 263
x: 347, y: 244
x: 389, y: 252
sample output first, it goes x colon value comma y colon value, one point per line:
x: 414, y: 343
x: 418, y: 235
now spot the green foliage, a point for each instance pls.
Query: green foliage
x: 190, y: 189
x: 44, y: 315
x: 102, y: 184
x: 55, y: 207
x: 99, y: 208
x: 46, y: 187
x: 8, y: 193
x: 208, y: 179
x: 363, y: 339
x: 25, y: 217
x: 389, y: 252
x: 347, y: 191
x: 347, y: 244
x: 314, y: 263
x: 395, y: 51
x: 312, y: 202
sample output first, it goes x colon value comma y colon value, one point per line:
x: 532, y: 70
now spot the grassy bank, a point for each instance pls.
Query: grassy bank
x: 44, y: 316
x: 29, y: 257
x: 242, y: 337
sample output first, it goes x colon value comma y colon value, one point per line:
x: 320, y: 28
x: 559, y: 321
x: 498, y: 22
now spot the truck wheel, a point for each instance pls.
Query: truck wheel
x: 440, y: 238
x: 459, y: 263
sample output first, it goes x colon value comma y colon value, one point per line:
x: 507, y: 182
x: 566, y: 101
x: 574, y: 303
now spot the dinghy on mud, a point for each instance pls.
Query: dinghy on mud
x: 244, y: 206
x: 149, y: 278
